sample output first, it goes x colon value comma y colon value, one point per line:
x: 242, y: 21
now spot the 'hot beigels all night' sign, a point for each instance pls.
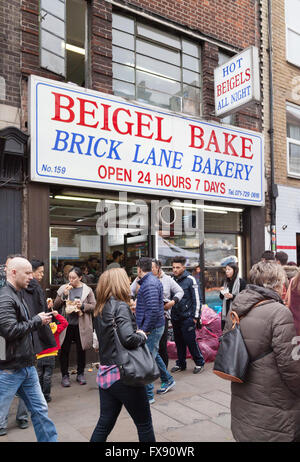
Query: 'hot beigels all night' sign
x: 80, y: 137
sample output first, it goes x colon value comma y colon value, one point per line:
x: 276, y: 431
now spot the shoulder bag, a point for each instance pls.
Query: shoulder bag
x: 137, y: 366
x: 232, y: 358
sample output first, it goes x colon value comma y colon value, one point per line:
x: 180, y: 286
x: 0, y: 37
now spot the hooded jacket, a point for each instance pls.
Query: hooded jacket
x: 150, y: 305
x: 266, y: 407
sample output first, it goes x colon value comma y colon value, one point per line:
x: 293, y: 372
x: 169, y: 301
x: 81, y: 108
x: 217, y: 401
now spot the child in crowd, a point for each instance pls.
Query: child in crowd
x: 46, y: 358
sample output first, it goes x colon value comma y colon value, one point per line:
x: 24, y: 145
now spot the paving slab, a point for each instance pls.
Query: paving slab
x: 197, y: 409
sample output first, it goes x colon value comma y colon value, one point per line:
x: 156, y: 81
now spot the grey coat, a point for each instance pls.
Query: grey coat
x: 267, y: 406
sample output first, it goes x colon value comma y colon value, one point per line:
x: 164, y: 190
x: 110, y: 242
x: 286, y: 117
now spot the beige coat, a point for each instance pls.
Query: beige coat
x: 267, y: 406
x: 86, y: 321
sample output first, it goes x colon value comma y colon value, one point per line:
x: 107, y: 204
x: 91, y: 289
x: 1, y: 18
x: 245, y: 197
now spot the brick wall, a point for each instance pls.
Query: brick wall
x: 10, y: 56
x: 233, y: 22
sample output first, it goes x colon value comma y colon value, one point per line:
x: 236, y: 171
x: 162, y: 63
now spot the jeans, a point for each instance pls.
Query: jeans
x: 72, y: 333
x: 21, y: 414
x: 45, y: 368
x: 26, y: 382
x: 136, y: 403
x: 185, y: 336
x: 153, y: 345
x: 163, y: 344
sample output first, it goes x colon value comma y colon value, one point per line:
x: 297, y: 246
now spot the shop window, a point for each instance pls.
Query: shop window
x: 293, y: 140
x: 292, y: 20
x: 155, y: 67
x: 63, y: 38
x: 75, y: 239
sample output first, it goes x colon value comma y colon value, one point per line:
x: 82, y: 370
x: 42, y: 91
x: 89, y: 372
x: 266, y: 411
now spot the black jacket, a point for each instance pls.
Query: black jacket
x: 16, y: 329
x: 190, y: 304
x: 35, y: 299
x: 120, y: 313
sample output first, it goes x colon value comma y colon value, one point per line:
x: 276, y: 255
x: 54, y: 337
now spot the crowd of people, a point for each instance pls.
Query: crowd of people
x: 36, y: 330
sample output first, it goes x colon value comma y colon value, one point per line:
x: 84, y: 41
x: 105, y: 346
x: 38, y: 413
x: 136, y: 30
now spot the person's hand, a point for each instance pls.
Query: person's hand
x: 67, y: 289
x: 228, y: 295
x: 54, y: 313
x: 45, y: 317
x: 169, y: 304
x: 139, y: 331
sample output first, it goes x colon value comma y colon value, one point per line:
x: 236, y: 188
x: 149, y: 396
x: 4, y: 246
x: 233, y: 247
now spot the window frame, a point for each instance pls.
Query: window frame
x: 137, y: 36
x: 295, y: 31
x: 291, y: 141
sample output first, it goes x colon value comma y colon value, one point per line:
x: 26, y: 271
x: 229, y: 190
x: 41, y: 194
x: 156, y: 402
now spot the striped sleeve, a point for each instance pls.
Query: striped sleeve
x: 196, y: 298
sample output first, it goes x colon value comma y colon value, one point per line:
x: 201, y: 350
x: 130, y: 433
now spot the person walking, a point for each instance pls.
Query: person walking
x: 185, y: 317
x: 173, y: 293
x: 80, y: 323
x: 17, y: 371
x: 112, y: 308
x: 266, y: 407
x: 233, y: 284
x: 150, y: 318
x: 22, y: 416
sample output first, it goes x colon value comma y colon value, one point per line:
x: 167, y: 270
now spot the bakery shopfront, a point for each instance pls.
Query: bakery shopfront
x: 132, y: 180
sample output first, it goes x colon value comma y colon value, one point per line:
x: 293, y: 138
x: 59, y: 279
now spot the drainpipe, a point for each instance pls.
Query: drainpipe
x: 273, y: 190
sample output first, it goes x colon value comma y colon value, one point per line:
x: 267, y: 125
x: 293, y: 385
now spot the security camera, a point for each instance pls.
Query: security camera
x: 284, y: 227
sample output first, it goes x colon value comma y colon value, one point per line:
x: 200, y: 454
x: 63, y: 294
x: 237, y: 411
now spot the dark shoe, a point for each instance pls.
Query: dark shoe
x: 3, y: 431
x: 65, y: 381
x: 23, y: 424
x: 198, y: 369
x: 177, y: 369
x: 81, y: 379
x: 48, y: 399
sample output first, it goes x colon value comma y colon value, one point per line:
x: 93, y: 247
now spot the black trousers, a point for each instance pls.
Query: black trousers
x: 72, y: 333
x: 136, y: 403
x: 163, y: 351
x: 45, y: 367
x: 185, y: 336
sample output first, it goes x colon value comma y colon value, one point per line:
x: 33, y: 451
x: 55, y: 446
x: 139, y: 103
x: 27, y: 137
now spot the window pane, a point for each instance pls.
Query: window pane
x: 148, y: 81
x: 190, y: 63
x: 293, y: 122
x: 127, y: 90
x: 190, y: 48
x: 56, y: 7
x: 294, y: 158
x: 293, y: 14
x: 158, y: 67
x: 123, y: 56
x: 293, y: 47
x: 158, y: 35
x: 123, y: 40
x: 190, y: 77
x: 123, y: 23
x: 149, y: 49
x: 53, y: 62
x: 123, y: 72
x: 53, y: 43
x: 52, y: 24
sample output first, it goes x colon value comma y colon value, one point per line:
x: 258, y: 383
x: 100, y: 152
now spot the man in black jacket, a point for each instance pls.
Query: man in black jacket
x: 17, y: 371
x: 185, y: 316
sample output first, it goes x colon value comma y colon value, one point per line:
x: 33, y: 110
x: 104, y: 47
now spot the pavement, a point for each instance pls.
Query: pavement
x: 197, y: 409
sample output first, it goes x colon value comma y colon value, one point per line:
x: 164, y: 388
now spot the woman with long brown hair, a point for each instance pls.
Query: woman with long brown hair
x: 112, y: 309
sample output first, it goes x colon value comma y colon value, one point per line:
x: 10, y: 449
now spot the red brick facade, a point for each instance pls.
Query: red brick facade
x: 234, y: 23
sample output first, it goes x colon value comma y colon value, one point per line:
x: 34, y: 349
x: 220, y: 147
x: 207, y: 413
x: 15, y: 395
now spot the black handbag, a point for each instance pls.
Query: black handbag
x: 137, y: 366
x: 232, y: 358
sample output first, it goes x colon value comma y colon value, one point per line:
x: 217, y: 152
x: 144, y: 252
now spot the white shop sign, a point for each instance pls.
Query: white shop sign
x: 80, y: 137
x: 236, y: 82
